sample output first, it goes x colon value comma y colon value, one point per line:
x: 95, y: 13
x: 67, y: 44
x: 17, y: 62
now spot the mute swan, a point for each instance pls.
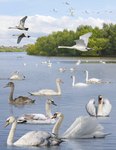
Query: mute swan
x: 81, y: 44
x: 79, y: 84
x: 92, y: 80
x: 20, y: 36
x: 102, y: 109
x: 21, y: 100
x: 82, y: 127
x: 49, y: 92
x: 32, y: 138
x: 17, y: 76
x: 21, y: 24
x: 39, y: 118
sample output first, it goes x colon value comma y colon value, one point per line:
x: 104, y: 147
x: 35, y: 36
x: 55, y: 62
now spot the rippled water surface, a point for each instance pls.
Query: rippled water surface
x: 71, y: 103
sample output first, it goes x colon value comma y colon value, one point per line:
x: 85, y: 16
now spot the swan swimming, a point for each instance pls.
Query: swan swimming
x: 21, y: 100
x: 78, y: 84
x: 49, y: 92
x: 17, y: 76
x: 32, y: 138
x: 21, y: 25
x: 102, y: 109
x: 39, y: 118
x: 20, y: 36
x: 81, y: 44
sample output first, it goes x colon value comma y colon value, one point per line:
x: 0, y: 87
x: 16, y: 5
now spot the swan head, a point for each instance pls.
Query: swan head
x: 58, y: 80
x: 9, y: 84
x: 51, y: 101
x: 10, y: 120
x: 100, y: 99
x: 57, y: 115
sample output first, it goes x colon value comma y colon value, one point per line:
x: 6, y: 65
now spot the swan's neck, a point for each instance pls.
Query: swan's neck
x: 100, y: 109
x: 73, y: 83
x: 57, y: 125
x: 11, y: 94
x: 10, y: 138
x: 48, y: 110
x: 58, y: 88
x: 86, y: 76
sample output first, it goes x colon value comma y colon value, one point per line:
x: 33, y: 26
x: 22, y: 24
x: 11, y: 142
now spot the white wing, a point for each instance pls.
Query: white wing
x: 106, y: 107
x: 80, y: 42
x: 85, y: 127
x: 22, y: 21
x: 85, y: 37
x: 91, y: 108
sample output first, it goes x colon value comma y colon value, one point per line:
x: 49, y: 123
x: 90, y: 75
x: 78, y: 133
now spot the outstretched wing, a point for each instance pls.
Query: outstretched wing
x: 91, y: 108
x: 106, y: 107
x: 22, y: 21
x: 85, y: 37
x: 80, y: 43
x: 20, y: 38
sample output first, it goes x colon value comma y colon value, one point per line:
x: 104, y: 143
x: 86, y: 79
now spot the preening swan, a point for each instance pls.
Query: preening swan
x: 82, y: 127
x: 21, y: 100
x: 39, y: 118
x: 32, y: 138
x: 81, y: 44
x: 17, y: 76
x: 92, y: 80
x: 78, y: 84
x: 20, y: 36
x: 21, y: 24
x: 49, y: 92
x: 102, y: 109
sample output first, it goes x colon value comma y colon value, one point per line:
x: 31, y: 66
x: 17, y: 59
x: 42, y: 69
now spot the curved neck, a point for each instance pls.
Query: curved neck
x: 11, y: 94
x: 58, y: 88
x: 100, y: 109
x: 57, y: 125
x: 86, y: 76
x: 48, y: 109
x: 73, y: 82
x: 10, y: 138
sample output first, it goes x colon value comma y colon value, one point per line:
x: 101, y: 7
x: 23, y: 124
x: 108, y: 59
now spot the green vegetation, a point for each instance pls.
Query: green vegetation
x: 102, y: 41
x: 11, y: 49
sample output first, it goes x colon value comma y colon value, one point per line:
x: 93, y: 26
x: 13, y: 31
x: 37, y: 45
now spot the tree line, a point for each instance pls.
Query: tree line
x: 102, y: 42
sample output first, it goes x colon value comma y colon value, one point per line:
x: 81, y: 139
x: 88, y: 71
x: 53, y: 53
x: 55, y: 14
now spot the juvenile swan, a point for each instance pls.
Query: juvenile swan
x: 49, y: 92
x: 32, y: 138
x: 21, y: 100
x: 39, y: 118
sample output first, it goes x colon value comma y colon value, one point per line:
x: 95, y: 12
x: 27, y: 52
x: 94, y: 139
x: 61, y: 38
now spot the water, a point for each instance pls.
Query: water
x: 71, y: 103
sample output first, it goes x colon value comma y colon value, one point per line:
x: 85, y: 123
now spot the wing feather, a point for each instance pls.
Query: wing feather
x: 106, y: 107
x: 91, y: 108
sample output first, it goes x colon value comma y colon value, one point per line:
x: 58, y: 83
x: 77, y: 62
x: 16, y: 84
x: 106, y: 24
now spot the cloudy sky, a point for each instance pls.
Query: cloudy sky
x: 46, y: 16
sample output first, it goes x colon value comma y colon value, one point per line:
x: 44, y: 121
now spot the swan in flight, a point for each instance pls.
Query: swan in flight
x: 21, y: 25
x: 92, y: 80
x: 82, y: 127
x: 79, y: 84
x: 81, y: 44
x: 102, y: 109
x: 20, y: 36
x: 32, y: 138
x: 39, y: 118
x: 21, y: 100
x: 49, y: 92
x: 17, y: 76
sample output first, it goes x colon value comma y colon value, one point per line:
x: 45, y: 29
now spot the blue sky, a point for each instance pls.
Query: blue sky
x: 46, y: 16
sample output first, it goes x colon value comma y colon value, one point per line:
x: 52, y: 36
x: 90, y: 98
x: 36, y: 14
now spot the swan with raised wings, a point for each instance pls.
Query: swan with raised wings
x: 78, y: 84
x: 39, y: 118
x: 21, y: 100
x: 32, y: 138
x: 49, y: 92
x: 81, y: 44
x: 102, y: 109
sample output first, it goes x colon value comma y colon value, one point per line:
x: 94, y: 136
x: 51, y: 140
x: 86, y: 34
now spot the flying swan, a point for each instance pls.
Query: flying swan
x: 78, y: 84
x: 20, y: 36
x: 102, y: 109
x: 49, y: 92
x: 21, y: 100
x: 83, y: 127
x: 81, y: 44
x: 39, y: 118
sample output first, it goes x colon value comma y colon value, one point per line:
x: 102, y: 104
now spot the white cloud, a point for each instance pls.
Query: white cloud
x: 41, y: 25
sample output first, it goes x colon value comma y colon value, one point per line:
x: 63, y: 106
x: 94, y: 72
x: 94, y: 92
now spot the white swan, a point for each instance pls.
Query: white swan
x: 79, y: 84
x: 20, y: 36
x: 49, y: 92
x: 39, y: 118
x: 17, y: 76
x: 32, y: 138
x: 21, y: 24
x: 81, y: 44
x: 102, y: 109
x: 82, y: 127
x: 92, y: 80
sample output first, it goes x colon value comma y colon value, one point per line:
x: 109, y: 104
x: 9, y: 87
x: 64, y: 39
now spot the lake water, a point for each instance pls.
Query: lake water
x: 71, y: 103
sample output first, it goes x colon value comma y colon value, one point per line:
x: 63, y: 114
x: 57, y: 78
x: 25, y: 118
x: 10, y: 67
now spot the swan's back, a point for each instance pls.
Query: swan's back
x: 23, y: 100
